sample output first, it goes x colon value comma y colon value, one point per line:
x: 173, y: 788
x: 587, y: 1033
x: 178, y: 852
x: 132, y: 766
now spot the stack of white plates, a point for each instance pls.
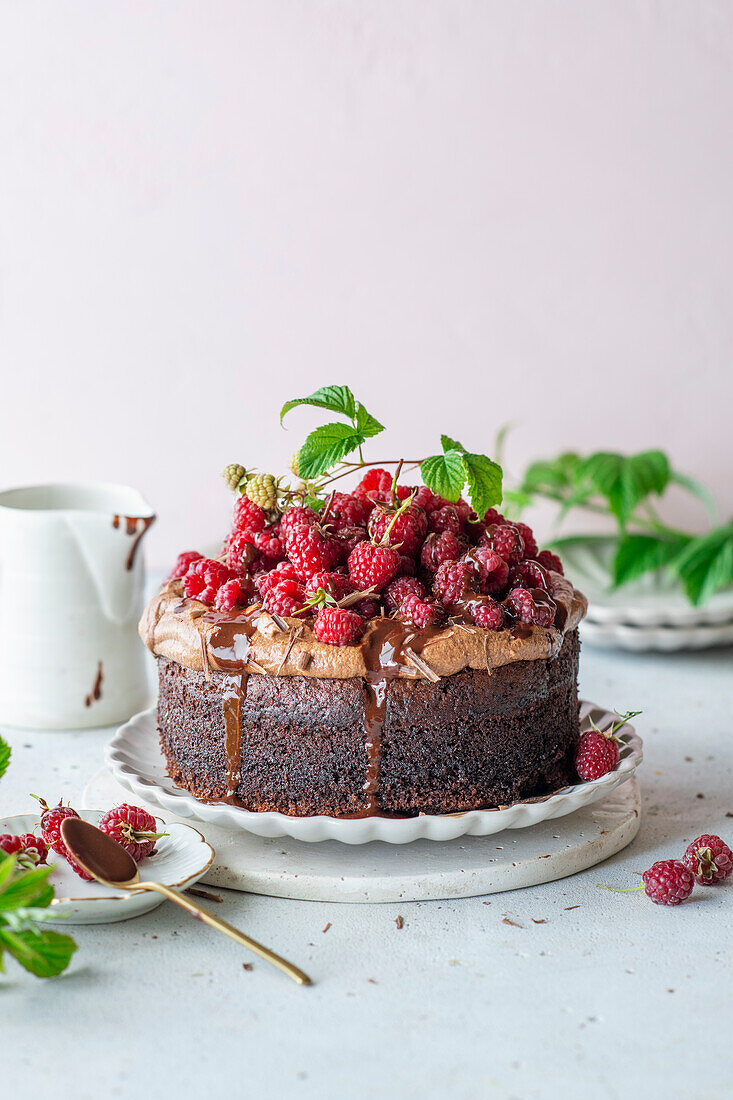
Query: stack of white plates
x: 651, y: 613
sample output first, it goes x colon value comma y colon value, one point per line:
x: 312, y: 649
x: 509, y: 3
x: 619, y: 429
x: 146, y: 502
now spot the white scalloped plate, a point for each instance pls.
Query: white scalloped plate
x: 134, y: 758
x: 181, y: 859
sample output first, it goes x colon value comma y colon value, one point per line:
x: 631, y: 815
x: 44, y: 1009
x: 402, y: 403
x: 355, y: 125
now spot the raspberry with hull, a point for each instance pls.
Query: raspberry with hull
x: 668, y: 882
x: 133, y: 828
x: 405, y: 530
x: 338, y: 626
x: 596, y: 754
x: 51, y: 819
x: 709, y: 858
x: 336, y: 585
x: 28, y: 849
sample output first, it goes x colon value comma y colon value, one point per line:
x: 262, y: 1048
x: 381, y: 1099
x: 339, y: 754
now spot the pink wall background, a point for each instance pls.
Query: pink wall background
x: 471, y: 212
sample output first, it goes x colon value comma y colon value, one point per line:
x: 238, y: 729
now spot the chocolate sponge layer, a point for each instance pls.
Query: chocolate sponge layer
x: 476, y: 739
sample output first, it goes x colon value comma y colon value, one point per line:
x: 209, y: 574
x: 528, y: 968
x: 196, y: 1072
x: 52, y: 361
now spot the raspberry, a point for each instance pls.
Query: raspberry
x: 338, y: 626
x: 372, y: 566
x: 336, y: 584
x: 262, y: 491
x: 182, y: 563
x: 530, y: 574
x: 374, y: 486
x: 405, y: 529
x: 445, y: 519
x: 204, y: 579
x: 440, y: 548
x: 349, y: 511
x: 270, y: 546
x: 454, y: 581
x: 346, y: 539
x: 233, y: 475
x: 426, y: 499
x: 668, y: 882
x: 233, y: 593
x: 415, y: 611
x: 29, y: 849
x: 285, y: 598
x: 487, y: 613
x: 397, y: 589
x: 493, y: 570
x: 294, y: 517
x: 284, y: 571
x: 406, y: 567
x: 248, y: 516
x: 596, y: 754
x: 530, y: 544
x: 240, y: 551
x: 133, y: 828
x: 506, y: 540
x: 493, y: 517
x: 548, y: 560
x: 51, y: 819
x: 311, y: 550
x: 529, y: 606
x: 368, y: 607
x: 709, y: 858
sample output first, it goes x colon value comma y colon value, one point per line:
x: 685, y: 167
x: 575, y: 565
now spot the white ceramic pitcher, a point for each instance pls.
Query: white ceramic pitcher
x: 71, y: 594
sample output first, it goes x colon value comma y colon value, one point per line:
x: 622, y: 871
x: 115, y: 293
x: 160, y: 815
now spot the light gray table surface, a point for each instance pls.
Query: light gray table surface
x: 588, y: 993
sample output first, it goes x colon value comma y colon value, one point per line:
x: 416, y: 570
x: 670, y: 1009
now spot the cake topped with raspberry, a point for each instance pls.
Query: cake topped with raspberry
x: 388, y: 649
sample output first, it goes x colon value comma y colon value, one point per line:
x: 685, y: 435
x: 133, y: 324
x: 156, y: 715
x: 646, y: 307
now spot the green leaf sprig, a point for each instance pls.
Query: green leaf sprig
x: 322, y: 457
x: 622, y: 487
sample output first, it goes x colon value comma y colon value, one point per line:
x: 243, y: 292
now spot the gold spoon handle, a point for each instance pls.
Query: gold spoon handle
x: 199, y: 913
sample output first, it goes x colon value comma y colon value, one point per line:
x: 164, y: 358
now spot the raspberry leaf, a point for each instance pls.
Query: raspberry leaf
x: 706, y: 563
x: 29, y: 888
x: 445, y: 474
x: 366, y: 423
x: 483, y: 478
x: 639, y: 554
x: 626, y: 481
x: 4, y: 757
x: 326, y: 446
x: 43, y: 953
x: 338, y: 399
x: 449, y: 444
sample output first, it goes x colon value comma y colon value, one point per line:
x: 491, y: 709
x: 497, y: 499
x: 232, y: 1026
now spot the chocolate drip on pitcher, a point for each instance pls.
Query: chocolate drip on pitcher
x: 131, y: 529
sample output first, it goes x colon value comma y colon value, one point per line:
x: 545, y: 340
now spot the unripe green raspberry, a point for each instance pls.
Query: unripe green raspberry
x: 295, y: 464
x: 262, y: 491
x: 233, y: 474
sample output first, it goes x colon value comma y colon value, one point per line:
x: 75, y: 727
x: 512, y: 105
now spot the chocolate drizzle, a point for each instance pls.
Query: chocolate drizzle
x: 96, y: 693
x: 135, y: 532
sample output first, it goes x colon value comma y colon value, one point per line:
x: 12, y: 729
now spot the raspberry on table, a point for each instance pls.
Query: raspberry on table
x: 404, y: 530
x: 338, y: 626
x: 233, y: 593
x: 550, y: 561
x: 493, y: 570
x: 311, y: 550
x: 283, y: 571
x: 372, y: 566
x: 506, y: 540
x: 445, y: 519
x: 400, y: 587
x: 204, y: 579
x: 454, y: 581
x: 487, y: 613
x: 530, y: 543
x: 419, y: 612
x: 262, y: 491
x: 528, y: 607
x: 286, y: 598
x: 248, y: 516
x: 668, y: 882
x: 183, y: 561
x: 709, y: 858
x: 133, y: 828
x: 438, y: 549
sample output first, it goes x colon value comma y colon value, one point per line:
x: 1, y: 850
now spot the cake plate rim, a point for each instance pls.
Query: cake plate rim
x: 136, y: 761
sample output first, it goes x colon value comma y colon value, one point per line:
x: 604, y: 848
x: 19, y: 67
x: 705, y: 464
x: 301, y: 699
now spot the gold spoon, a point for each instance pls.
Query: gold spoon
x: 108, y: 862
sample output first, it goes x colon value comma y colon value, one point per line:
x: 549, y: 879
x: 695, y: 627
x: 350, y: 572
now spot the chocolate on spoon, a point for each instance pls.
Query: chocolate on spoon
x: 109, y: 863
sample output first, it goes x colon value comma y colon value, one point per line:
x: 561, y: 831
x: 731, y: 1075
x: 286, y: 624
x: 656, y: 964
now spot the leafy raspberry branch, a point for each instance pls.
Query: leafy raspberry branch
x: 622, y: 488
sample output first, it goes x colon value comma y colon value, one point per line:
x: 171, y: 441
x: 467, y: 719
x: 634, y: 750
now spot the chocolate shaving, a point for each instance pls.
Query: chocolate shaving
x: 279, y: 622
x: 420, y: 665
x: 205, y: 659
x: 296, y: 633
x: 329, y: 925
x: 505, y: 920
x: 399, y: 921
x: 354, y: 597
x: 258, y: 668
x: 204, y: 894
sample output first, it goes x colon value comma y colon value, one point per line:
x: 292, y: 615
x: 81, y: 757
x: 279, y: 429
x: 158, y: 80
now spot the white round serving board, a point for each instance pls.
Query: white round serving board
x: 135, y: 759
x: 421, y: 871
